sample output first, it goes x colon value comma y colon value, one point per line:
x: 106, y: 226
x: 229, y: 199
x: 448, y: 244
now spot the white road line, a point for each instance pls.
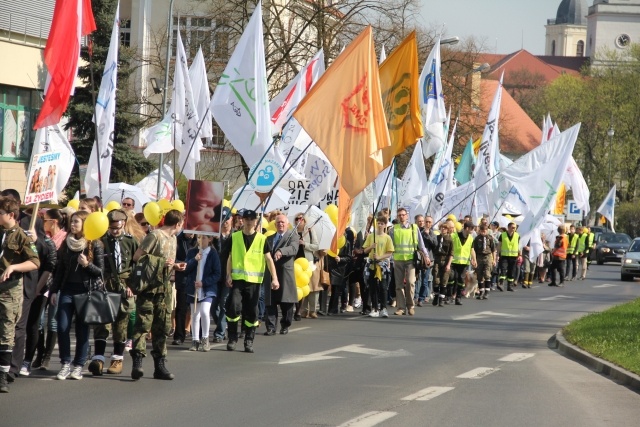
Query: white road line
x: 478, y: 373
x: 369, y: 419
x: 516, y: 357
x: 428, y: 393
x: 606, y: 285
x: 299, y: 329
x: 556, y: 298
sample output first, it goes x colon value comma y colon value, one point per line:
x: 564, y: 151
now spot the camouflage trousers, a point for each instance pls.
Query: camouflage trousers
x: 152, y: 315
x: 10, y: 311
x: 101, y: 332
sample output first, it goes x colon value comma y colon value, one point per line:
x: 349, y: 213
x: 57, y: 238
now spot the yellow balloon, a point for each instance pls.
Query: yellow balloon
x: 452, y: 217
x: 111, y: 206
x: 153, y: 213
x: 303, y: 263
x: 305, y: 290
x: 301, y: 279
x: 178, y: 205
x: 74, y: 203
x: 341, y: 242
x: 95, y: 225
x: 309, y: 273
x: 165, y: 205
x: 264, y: 223
x: 331, y: 253
x: 297, y: 269
x: 271, y: 225
x: 332, y: 212
x: 299, y: 294
x: 458, y: 226
x: 269, y: 233
x: 226, y: 203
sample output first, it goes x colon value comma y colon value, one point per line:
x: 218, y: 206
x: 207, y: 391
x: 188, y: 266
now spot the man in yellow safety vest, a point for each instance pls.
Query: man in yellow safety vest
x: 509, y: 250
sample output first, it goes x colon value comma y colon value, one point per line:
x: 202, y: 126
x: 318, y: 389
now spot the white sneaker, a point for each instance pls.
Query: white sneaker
x: 374, y: 314
x: 64, y: 372
x: 357, y: 303
x: 384, y: 313
x: 76, y: 373
x: 349, y: 309
x: 25, y: 370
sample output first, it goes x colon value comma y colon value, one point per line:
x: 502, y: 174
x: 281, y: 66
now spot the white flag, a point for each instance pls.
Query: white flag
x: 149, y: 184
x: 105, y: 118
x: 56, y: 141
x: 485, y: 168
x: 574, y: 179
x: 443, y: 179
x: 414, y: 180
x: 201, y: 96
x: 240, y: 102
x: 187, y: 140
x: 607, y: 208
x: 321, y: 175
x: 432, y: 106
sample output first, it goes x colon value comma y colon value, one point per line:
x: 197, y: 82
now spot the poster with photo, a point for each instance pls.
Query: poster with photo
x: 204, y: 207
x: 42, y: 178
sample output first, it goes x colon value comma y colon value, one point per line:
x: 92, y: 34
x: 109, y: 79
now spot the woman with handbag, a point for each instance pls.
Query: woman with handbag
x: 80, y: 265
x: 339, y: 277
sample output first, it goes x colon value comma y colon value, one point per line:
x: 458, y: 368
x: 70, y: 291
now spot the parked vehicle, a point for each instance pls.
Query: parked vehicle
x: 630, y: 267
x: 611, y: 247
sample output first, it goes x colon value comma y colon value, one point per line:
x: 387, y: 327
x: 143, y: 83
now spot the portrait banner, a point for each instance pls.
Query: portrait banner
x: 42, y: 178
x: 204, y: 207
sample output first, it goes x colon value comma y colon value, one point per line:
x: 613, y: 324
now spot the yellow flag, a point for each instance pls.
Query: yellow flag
x: 343, y: 114
x: 476, y: 146
x: 561, y: 196
x: 399, y: 84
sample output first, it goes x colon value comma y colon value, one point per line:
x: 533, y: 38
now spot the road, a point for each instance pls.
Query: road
x: 484, y: 363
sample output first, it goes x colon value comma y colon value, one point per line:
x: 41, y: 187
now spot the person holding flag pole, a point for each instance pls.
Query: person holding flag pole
x: 379, y: 246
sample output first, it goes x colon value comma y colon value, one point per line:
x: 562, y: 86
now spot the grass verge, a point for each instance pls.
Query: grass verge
x: 613, y: 335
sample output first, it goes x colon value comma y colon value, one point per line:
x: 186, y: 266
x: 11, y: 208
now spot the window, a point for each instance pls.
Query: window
x: 196, y: 32
x: 580, y: 49
x: 19, y: 108
x: 221, y: 50
x: 553, y: 48
x: 125, y: 32
x: 217, y: 140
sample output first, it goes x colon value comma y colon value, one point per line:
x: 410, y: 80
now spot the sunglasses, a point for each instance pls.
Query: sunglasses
x: 127, y: 204
x: 144, y: 224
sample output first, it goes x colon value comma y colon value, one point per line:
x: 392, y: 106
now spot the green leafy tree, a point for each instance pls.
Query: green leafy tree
x: 127, y: 164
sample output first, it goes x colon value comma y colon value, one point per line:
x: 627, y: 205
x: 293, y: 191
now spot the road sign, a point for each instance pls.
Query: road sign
x: 573, y: 212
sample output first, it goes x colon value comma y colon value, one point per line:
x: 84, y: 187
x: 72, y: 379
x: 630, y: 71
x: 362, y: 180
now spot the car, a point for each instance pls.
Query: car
x: 611, y: 247
x: 630, y: 266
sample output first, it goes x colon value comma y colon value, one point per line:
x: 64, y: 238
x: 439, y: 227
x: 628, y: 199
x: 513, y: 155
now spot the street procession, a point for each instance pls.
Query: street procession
x: 237, y: 189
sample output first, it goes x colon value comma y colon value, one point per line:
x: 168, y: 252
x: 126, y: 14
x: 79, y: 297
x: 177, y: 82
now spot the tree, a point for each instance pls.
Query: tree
x: 127, y: 164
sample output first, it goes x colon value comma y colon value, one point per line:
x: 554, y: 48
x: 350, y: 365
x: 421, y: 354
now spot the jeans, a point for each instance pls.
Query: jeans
x: 66, y: 309
x: 221, y: 311
x: 423, y: 285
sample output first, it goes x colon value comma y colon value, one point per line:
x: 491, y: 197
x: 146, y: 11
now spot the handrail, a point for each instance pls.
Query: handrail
x: 24, y: 28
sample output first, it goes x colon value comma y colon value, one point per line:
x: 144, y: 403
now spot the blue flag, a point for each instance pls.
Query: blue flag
x: 467, y: 162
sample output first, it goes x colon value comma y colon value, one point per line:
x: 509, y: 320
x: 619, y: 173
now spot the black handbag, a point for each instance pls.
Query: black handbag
x: 97, y: 307
x: 418, y: 257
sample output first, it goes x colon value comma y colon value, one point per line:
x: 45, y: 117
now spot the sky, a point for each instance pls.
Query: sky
x: 509, y: 24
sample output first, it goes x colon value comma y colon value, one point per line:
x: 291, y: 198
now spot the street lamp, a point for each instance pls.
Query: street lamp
x: 450, y: 40
x: 610, y: 132
x: 483, y: 68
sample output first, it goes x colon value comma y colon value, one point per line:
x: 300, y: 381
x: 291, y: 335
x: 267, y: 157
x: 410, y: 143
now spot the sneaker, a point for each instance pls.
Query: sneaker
x: 26, y: 369
x: 399, y: 312
x: 194, y: 346
x: 384, y: 313
x: 349, y: 309
x: 393, y: 303
x: 76, y: 373
x: 204, y: 344
x: 64, y: 372
x: 357, y: 302
x: 411, y: 311
x: 374, y: 314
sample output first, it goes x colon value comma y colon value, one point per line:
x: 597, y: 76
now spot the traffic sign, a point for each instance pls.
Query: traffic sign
x: 573, y: 212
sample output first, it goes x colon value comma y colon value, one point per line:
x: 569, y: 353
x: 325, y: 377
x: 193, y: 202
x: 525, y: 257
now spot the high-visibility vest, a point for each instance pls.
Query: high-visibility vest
x: 405, y: 241
x: 561, y: 252
x: 582, y: 243
x: 573, y: 244
x: 461, y: 251
x: 247, y: 265
x: 509, y: 247
x: 590, y: 238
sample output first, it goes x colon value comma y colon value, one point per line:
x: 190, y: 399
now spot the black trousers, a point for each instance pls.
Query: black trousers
x: 17, y: 357
x: 33, y: 327
x: 272, y: 315
x: 182, y: 309
x: 557, y: 265
x: 242, y: 302
x: 508, y: 266
x: 378, y: 290
x: 572, y: 267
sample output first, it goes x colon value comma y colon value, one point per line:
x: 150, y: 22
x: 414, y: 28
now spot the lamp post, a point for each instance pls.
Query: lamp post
x: 479, y: 69
x: 610, y: 132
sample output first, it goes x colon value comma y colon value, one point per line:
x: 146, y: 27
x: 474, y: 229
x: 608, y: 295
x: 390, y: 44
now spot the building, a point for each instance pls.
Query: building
x: 612, y: 25
x: 567, y: 33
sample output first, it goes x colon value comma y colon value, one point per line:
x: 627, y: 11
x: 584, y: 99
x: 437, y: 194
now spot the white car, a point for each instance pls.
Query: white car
x: 630, y: 264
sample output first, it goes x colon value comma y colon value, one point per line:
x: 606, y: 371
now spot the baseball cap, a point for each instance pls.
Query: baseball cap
x: 116, y: 215
x: 248, y: 214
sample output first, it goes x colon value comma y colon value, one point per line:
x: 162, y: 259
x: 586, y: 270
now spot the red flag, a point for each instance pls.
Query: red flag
x: 72, y: 19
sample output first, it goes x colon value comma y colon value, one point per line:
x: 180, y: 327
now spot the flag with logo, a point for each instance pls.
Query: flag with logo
x: 432, y: 106
x: 52, y: 139
x: 607, y: 208
x: 105, y: 119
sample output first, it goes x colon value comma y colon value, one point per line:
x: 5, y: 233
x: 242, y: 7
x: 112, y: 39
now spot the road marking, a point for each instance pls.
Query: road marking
x: 484, y: 315
x: 299, y: 329
x: 478, y: 373
x: 516, y: 357
x: 369, y: 419
x: 606, y: 285
x: 327, y: 354
x: 556, y: 298
x: 428, y: 393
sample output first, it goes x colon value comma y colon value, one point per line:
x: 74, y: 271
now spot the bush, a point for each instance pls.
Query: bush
x: 628, y: 218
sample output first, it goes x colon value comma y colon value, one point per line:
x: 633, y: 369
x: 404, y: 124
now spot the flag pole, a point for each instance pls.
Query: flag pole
x: 377, y: 205
x: 95, y: 123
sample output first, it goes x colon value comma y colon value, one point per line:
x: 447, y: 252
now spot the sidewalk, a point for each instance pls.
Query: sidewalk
x: 616, y: 373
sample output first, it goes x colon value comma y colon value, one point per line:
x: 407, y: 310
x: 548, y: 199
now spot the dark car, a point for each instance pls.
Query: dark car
x: 611, y: 247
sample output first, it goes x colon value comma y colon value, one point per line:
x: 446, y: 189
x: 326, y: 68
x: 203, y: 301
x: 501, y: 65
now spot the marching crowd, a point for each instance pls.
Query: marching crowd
x: 176, y: 286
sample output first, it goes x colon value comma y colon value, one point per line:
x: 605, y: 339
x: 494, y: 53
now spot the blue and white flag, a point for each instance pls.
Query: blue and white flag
x: 105, y: 118
x: 607, y: 208
x: 432, y: 106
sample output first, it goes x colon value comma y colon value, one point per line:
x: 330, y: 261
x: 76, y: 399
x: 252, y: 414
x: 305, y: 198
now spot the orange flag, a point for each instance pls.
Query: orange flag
x: 343, y: 114
x: 399, y: 82
x: 561, y: 196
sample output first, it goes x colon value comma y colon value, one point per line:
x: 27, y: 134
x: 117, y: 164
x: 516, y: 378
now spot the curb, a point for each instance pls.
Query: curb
x: 601, y: 366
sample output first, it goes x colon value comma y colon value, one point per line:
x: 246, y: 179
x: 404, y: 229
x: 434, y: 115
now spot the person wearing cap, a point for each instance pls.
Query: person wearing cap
x: 463, y: 255
x: 249, y: 254
x: 509, y: 250
x: 118, y: 263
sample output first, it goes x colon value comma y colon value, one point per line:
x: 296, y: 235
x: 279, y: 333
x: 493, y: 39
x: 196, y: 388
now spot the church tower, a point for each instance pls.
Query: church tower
x: 567, y: 33
x: 612, y: 25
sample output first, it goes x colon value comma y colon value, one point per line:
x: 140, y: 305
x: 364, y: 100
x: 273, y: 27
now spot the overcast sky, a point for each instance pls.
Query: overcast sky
x: 511, y: 24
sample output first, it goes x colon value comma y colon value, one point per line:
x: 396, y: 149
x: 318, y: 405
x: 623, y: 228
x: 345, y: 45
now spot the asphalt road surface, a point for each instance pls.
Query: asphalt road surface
x: 485, y: 363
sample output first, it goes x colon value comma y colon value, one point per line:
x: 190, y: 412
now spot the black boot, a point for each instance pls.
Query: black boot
x: 52, y: 337
x: 4, y: 386
x: 161, y: 372
x: 232, y: 329
x: 248, y: 339
x: 40, y: 347
x: 136, y: 371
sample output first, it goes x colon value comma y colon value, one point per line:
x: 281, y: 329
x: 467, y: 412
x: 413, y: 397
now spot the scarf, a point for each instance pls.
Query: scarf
x: 76, y: 245
x: 58, y: 238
